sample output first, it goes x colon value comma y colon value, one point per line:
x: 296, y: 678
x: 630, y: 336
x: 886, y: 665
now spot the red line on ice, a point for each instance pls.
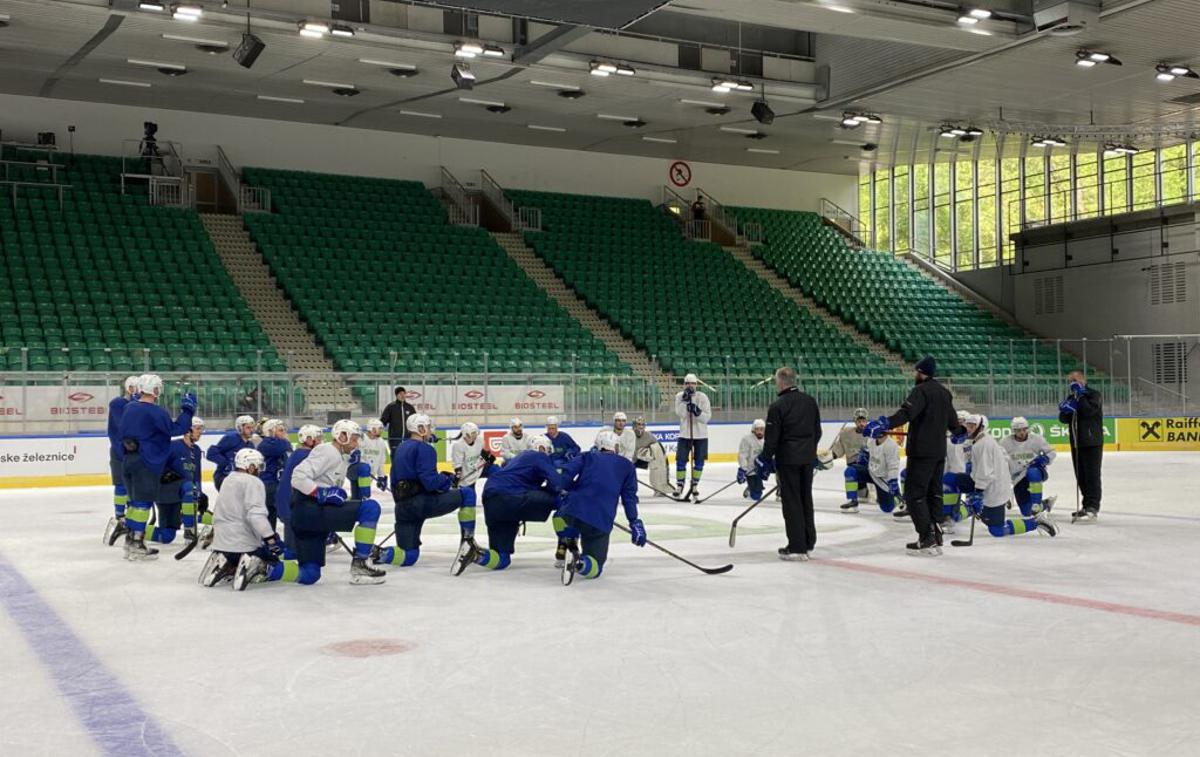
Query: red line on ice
x: 1011, y: 591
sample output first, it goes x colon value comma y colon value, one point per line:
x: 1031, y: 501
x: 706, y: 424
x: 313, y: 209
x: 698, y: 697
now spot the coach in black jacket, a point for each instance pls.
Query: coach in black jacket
x: 395, y: 417
x: 790, y: 445
x: 1083, y: 412
x: 929, y: 413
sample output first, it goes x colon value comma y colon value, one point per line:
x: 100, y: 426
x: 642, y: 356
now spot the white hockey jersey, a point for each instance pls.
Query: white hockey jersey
x: 956, y: 456
x: 511, y: 446
x: 693, y: 426
x: 324, y: 466
x: 375, y: 453
x: 626, y: 443
x: 748, y: 449
x: 240, y: 514
x: 989, y: 470
x: 848, y: 444
x: 466, y: 460
x: 1021, y: 454
x: 883, y: 462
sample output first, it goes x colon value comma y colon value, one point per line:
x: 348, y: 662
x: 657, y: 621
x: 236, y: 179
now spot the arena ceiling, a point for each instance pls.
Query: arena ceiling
x: 908, y: 62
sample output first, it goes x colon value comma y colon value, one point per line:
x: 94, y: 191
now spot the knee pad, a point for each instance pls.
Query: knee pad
x: 368, y: 512
x: 949, y: 483
x: 309, y: 573
x: 993, y: 517
x: 468, y: 496
x: 401, y: 557
x: 850, y: 475
x: 1034, y: 475
x: 164, y: 535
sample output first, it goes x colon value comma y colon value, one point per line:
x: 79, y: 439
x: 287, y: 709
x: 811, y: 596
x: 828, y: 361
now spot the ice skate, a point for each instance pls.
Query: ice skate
x: 1048, y: 503
x: 1046, y: 524
x: 1083, y: 517
x: 217, y: 569
x: 570, y: 565
x: 948, y: 526
x: 926, y: 545
x: 363, y: 574
x: 788, y: 556
x: 205, y: 537
x: 136, y: 550
x: 189, y: 533
x: 901, y: 511
x: 251, y: 569
x: 560, y: 555
x: 678, y: 492
x: 694, y: 494
x: 849, y: 507
x: 468, y: 551
x: 115, y: 529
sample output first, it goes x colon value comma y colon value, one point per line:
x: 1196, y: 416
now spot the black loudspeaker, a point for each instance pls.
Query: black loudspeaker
x: 248, y: 52
x: 761, y: 112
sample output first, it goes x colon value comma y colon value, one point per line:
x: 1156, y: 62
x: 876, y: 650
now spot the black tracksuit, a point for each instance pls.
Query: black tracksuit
x: 1087, y: 445
x: 929, y: 413
x: 793, y: 430
x: 395, y: 417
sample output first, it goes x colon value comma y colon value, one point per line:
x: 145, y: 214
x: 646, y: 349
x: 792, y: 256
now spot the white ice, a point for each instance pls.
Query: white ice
x: 836, y: 656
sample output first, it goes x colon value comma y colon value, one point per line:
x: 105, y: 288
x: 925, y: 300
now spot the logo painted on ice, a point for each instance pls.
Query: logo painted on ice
x: 474, y: 394
x: 80, y: 397
x: 536, y: 394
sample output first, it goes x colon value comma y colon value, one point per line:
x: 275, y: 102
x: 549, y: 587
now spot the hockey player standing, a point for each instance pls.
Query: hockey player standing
x: 1083, y: 412
x: 375, y: 452
x: 694, y: 411
x: 651, y: 456
x: 749, y: 448
x: 179, y: 488
x: 1029, y: 455
x: 515, y: 441
x: 116, y: 406
x: 988, y: 486
x: 320, y: 506
x: 597, y: 480
x: 420, y: 493
x: 146, y: 430
x: 565, y: 447
x: 222, y: 453
x: 275, y: 449
x: 626, y: 440
x: 468, y: 458
x: 245, y: 547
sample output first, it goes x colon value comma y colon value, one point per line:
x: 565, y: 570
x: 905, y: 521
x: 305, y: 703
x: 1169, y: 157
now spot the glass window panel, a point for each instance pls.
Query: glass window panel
x: 986, y: 177
x: 1035, y: 190
x: 922, y: 209
x: 942, y: 232
x: 883, y: 205
x: 1116, y: 184
x: 864, y: 204
x: 1010, y: 202
x: 1087, y: 185
x: 1174, y: 174
x: 1060, y: 187
x: 964, y: 178
x: 1144, y: 192
x: 903, y: 240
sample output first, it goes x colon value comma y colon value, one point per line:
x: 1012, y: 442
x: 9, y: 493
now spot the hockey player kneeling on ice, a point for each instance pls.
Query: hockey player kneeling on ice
x: 515, y: 441
x: 468, y: 457
x: 146, y: 430
x: 848, y: 445
x: 307, y: 438
x: 245, y: 547
x: 1029, y: 455
x: 421, y: 493
x: 116, y: 406
x: 748, y: 470
x: 626, y: 439
x: 957, y: 447
x: 694, y: 411
x: 651, y: 456
x: 176, y: 500
x: 883, y: 472
x: 375, y: 452
x: 565, y: 447
x: 596, y: 480
x: 320, y: 506
x: 525, y: 489
x: 988, y: 485
x: 275, y: 449
x: 222, y: 453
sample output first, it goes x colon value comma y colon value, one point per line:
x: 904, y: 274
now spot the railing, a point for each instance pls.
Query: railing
x: 254, y: 200
x: 841, y: 218
x: 675, y: 203
x: 495, y: 194
x: 31, y: 167
x: 529, y: 219
x: 718, y: 214
x: 1156, y: 389
x: 169, y: 191
x: 751, y: 233
x: 458, y: 195
x: 229, y: 175
x: 156, y: 158
x: 16, y: 185
x: 698, y: 230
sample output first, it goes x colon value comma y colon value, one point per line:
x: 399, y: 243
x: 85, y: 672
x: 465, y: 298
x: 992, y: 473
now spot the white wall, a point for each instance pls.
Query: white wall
x: 333, y: 149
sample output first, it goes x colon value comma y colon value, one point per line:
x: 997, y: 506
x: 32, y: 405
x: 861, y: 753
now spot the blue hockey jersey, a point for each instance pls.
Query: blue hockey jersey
x: 116, y: 407
x: 222, y: 453
x: 528, y: 470
x: 152, y: 428
x: 565, y: 447
x: 416, y: 461
x: 283, y: 495
x: 275, y: 454
x: 600, y: 480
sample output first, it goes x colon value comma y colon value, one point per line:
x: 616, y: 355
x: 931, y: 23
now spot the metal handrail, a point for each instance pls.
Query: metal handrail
x: 1163, y: 387
x: 529, y: 218
x: 698, y: 229
x: 461, y: 199
x: 40, y: 166
x: 494, y: 192
x: 38, y: 184
x: 715, y: 211
x: 843, y: 218
x: 254, y: 199
x: 168, y: 157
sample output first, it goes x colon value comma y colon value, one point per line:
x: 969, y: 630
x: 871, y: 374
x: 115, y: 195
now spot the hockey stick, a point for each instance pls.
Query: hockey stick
x: 718, y: 491
x: 384, y: 539
x: 733, y: 528
x: 970, y: 539
x: 664, y: 550
x: 660, y: 491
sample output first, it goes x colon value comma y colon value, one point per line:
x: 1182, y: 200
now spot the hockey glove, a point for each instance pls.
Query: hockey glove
x: 1041, y: 461
x: 434, y: 438
x: 741, y: 476
x: 863, y: 457
x: 487, y: 457
x: 330, y: 495
x: 975, y: 502
x: 1076, y: 389
x: 763, y: 468
x: 693, y: 408
x: 894, y: 487
x: 188, y: 403
x: 637, y: 533
x: 355, y: 457
x: 451, y: 481
x: 876, y: 429
x: 1068, y: 406
x: 687, y: 394
x: 381, y: 483
x: 274, y: 545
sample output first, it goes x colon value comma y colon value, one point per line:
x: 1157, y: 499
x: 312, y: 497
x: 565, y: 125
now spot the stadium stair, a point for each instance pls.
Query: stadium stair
x: 553, y: 285
x: 746, y: 256
x: 290, y: 337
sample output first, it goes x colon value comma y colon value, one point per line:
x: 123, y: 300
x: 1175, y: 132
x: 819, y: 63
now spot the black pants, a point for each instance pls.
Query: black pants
x: 1086, y: 462
x: 795, y: 484
x: 923, y: 492
x: 393, y: 444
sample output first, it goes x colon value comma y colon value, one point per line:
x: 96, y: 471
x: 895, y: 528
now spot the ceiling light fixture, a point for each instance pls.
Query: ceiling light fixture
x: 187, y: 12
x: 197, y: 41
x: 659, y: 140
x: 419, y: 114
x: 313, y: 29
x: 327, y: 84
x: 552, y: 84
x: 832, y: 6
x: 149, y: 6
x: 274, y: 99
x: 633, y: 123
x: 341, y: 30
x: 854, y: 120
x: 1170, y: 71
x: 154, y: 64
x: 1114, y: 150
x: 610, y: 117
x: 738, y: 130
x: 602, y: 68
x: 1049, y: 142
x: 702, y: 103
x: 724, y: 85
x: 493, y: 51
x: 571, y: 94
x: 624, y: 70
x: 468, y: 49
x: 539, y: 127
x: 1089, y: 58
x: 125, y: 83
x: 972, y: 16
x: 473, y: 101
x: 762, y: 151
x: 462, y: 75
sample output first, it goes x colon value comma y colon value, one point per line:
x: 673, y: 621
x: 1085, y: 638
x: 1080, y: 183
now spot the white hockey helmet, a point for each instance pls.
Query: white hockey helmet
x: 374, y: 425
x: 963, y: 415
x: 243, y: 420
x: 691, y: 378
x: 541, y: 443
x: 272, y: 425
x: 347, y: 428
x: 150, y: 383
x: 416, y: 421
x: 469, y: 429
x: 515, y: 422
x: 309, y: 432
x: 131, y: 383
x: 620, y: 417
x: 552, y: 420
x: 197, y: 422
x: 758, y: 423
x: 245, y: 458
x: 978, y: 420
x: 1019, y: 423
x: 606, y: 440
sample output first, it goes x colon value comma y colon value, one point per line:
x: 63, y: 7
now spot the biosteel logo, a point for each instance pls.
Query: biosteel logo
x: 536, y: 394
x: 81, y: 397
x: 474, y: 394
x: 412, y: 395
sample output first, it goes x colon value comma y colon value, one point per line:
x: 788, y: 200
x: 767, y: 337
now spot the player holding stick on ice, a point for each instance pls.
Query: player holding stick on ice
x: 1029, y: 455
x: 694, y: 411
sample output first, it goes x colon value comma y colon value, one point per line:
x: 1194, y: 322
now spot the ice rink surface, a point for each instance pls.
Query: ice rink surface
x: 1088, y: 643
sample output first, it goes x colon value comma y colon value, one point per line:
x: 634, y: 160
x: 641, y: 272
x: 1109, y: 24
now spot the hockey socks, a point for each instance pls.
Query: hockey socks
x: 399, y: 557
x: 364, y: 530
x: 291, y: 571
x: 120, y: 500
x: 1013, y: 527
x: 493, y: 559
x: 137, y: 515
x: 588, y: 567
x: 466, y: 513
